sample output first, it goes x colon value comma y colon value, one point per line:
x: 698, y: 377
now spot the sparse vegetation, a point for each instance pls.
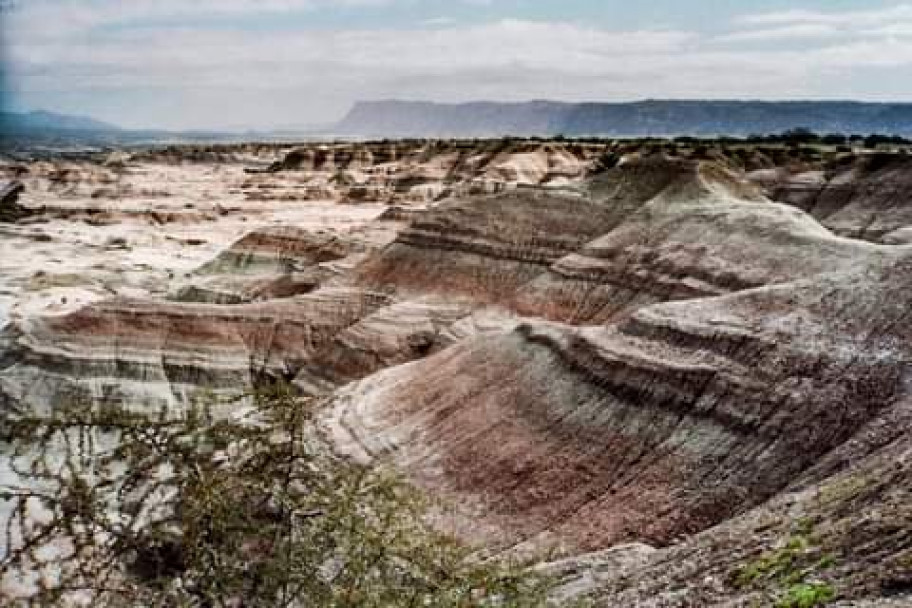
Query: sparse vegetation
x: 806, y: 595
x: 784, y: 572
x: 126, y: 509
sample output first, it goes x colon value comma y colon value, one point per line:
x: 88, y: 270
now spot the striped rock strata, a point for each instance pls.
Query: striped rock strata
x: 662, y: 359
x: 668, y: 423
x: 866, y: 198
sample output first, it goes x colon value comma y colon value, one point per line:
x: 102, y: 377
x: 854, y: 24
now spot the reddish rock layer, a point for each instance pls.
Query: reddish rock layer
x: 670, y: 423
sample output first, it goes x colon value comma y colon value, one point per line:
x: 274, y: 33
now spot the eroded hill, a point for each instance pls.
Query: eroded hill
x: 637, y: 367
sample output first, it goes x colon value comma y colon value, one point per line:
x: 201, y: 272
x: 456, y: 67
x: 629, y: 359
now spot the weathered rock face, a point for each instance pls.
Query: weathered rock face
x: 10, y: 209
x: 485, y: 248
x: 665, y: 425
x: 848, y: 529
x: 279, y: 249
x: 701, y: 235
x: 783, y: 360
x: 416, y: 172
x: 233, y: 289
x: 491, y: 246
x: 868, y: 198
x: 271, y: 263
x: 390, y: 336
x: 659, y: 357
x: 647, y: 231
x: 144, y: 352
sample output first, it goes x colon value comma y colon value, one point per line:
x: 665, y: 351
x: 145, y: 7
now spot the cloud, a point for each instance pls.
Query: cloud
x: 439, y: 22
x: 70, y: 57
x: 796, y: 31
x: 848, y: 26
x: 851, y: 19
x: 182, y: 55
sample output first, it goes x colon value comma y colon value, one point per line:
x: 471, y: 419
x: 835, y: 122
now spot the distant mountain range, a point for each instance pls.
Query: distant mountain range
x: 13, y: 122
x: 395, y: 118
x: 635, y: 119
x: 53, y: 130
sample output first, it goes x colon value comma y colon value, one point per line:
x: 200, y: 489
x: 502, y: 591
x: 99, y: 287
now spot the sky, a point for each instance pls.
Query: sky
x: 266, y: 64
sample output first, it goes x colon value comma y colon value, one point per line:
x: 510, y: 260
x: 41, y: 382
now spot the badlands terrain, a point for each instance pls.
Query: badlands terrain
x: 674, y: 375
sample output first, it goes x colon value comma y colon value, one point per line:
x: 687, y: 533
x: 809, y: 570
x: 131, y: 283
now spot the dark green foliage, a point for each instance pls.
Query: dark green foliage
x: 794, y: 137
x: 806, y: 595
x: 834, y: 139
x: 784, y: 572
x: 875, y: 140
x: 200, y: 511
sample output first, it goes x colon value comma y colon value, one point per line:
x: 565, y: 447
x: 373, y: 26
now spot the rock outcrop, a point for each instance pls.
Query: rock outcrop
x: 392, y: 335
x: 279, y: 249
x: 10, y: 209
x: 146, y: 353
x: 866, y: 198
x: 698, y: 237
x: 660, y: 427
x: 784, y: 363
x: 639, y: 361
x: 272, y: 263
x: 485, y: 248
x: 646, y: 231
x: 422, y: 171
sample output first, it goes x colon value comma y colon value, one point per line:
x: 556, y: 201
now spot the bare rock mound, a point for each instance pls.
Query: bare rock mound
x: 672, y: 422
x: 487, y: 247
x: 269, y: 263
x: 702, y: 236
x: 278, y: 249
x: 646, y: 231
x: 866, y: 198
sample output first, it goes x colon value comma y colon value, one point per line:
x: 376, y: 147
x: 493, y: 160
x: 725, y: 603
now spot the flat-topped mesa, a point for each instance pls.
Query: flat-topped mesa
x: 673, y: 422
x: 866, y: 197
x: 147, y: 352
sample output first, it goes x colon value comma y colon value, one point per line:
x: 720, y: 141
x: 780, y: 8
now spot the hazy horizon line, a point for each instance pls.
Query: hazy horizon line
x: 305, y: 127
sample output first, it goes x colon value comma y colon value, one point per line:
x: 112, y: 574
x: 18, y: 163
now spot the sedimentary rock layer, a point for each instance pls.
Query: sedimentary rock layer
x: 665, y: 425
x: 647, y: 231
x: 658, y: 356
x: 147, y: 352
x: 866, y: 198
x: 280, y: 249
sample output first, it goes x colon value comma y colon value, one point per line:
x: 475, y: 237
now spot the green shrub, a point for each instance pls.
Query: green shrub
x: 806, y: 595
x: 198, y: 511
x: 783, y: 572
x: 779, y: 565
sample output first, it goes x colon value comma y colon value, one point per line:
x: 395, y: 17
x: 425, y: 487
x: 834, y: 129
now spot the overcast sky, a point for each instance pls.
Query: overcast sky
x: 278, y: 63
